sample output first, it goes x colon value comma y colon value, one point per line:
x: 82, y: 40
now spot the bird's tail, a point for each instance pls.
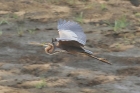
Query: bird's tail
x: 88, y: 51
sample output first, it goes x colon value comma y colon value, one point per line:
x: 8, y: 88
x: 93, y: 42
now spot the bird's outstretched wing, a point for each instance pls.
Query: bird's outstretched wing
x: 70, y: 31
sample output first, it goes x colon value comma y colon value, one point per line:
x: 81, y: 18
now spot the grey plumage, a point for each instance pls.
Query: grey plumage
x: 70, y: 30
x: 71, y: 36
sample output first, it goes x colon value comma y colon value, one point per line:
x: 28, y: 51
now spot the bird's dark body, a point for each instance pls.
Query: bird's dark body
x: 72, y: 47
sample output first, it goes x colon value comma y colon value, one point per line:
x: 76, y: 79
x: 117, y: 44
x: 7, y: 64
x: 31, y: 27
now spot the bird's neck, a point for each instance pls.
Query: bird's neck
x: 50, y: 48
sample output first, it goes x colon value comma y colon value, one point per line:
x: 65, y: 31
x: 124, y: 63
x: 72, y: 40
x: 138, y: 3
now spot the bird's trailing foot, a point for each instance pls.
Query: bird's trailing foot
x: 101, y: 59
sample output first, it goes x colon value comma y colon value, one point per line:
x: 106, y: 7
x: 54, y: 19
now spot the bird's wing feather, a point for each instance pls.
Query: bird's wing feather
x: 70, y: 30
x: 70, y: 43
x: 88, y: 51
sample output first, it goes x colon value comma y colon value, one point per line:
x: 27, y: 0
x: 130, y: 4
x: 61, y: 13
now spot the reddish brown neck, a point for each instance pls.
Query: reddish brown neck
x: 49, y: 49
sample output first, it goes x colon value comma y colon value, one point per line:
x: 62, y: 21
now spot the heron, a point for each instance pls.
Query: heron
x: 72, y: 39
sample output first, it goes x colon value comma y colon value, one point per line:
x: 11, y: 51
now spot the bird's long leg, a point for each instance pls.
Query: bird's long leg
x: 101, y: 59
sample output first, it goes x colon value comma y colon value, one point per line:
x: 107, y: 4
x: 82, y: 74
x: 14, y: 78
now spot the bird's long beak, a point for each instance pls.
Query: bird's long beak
x: 45, y: 45
x: 38, y: 44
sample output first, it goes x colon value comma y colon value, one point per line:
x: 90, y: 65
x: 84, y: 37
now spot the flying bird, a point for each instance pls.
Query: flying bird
x: 71, y: 40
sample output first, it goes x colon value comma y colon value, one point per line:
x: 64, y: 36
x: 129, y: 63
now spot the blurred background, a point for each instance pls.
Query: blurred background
x: 112, y: 28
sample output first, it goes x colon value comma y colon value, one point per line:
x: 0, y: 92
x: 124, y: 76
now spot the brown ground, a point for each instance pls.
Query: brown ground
x: 26, y: 68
